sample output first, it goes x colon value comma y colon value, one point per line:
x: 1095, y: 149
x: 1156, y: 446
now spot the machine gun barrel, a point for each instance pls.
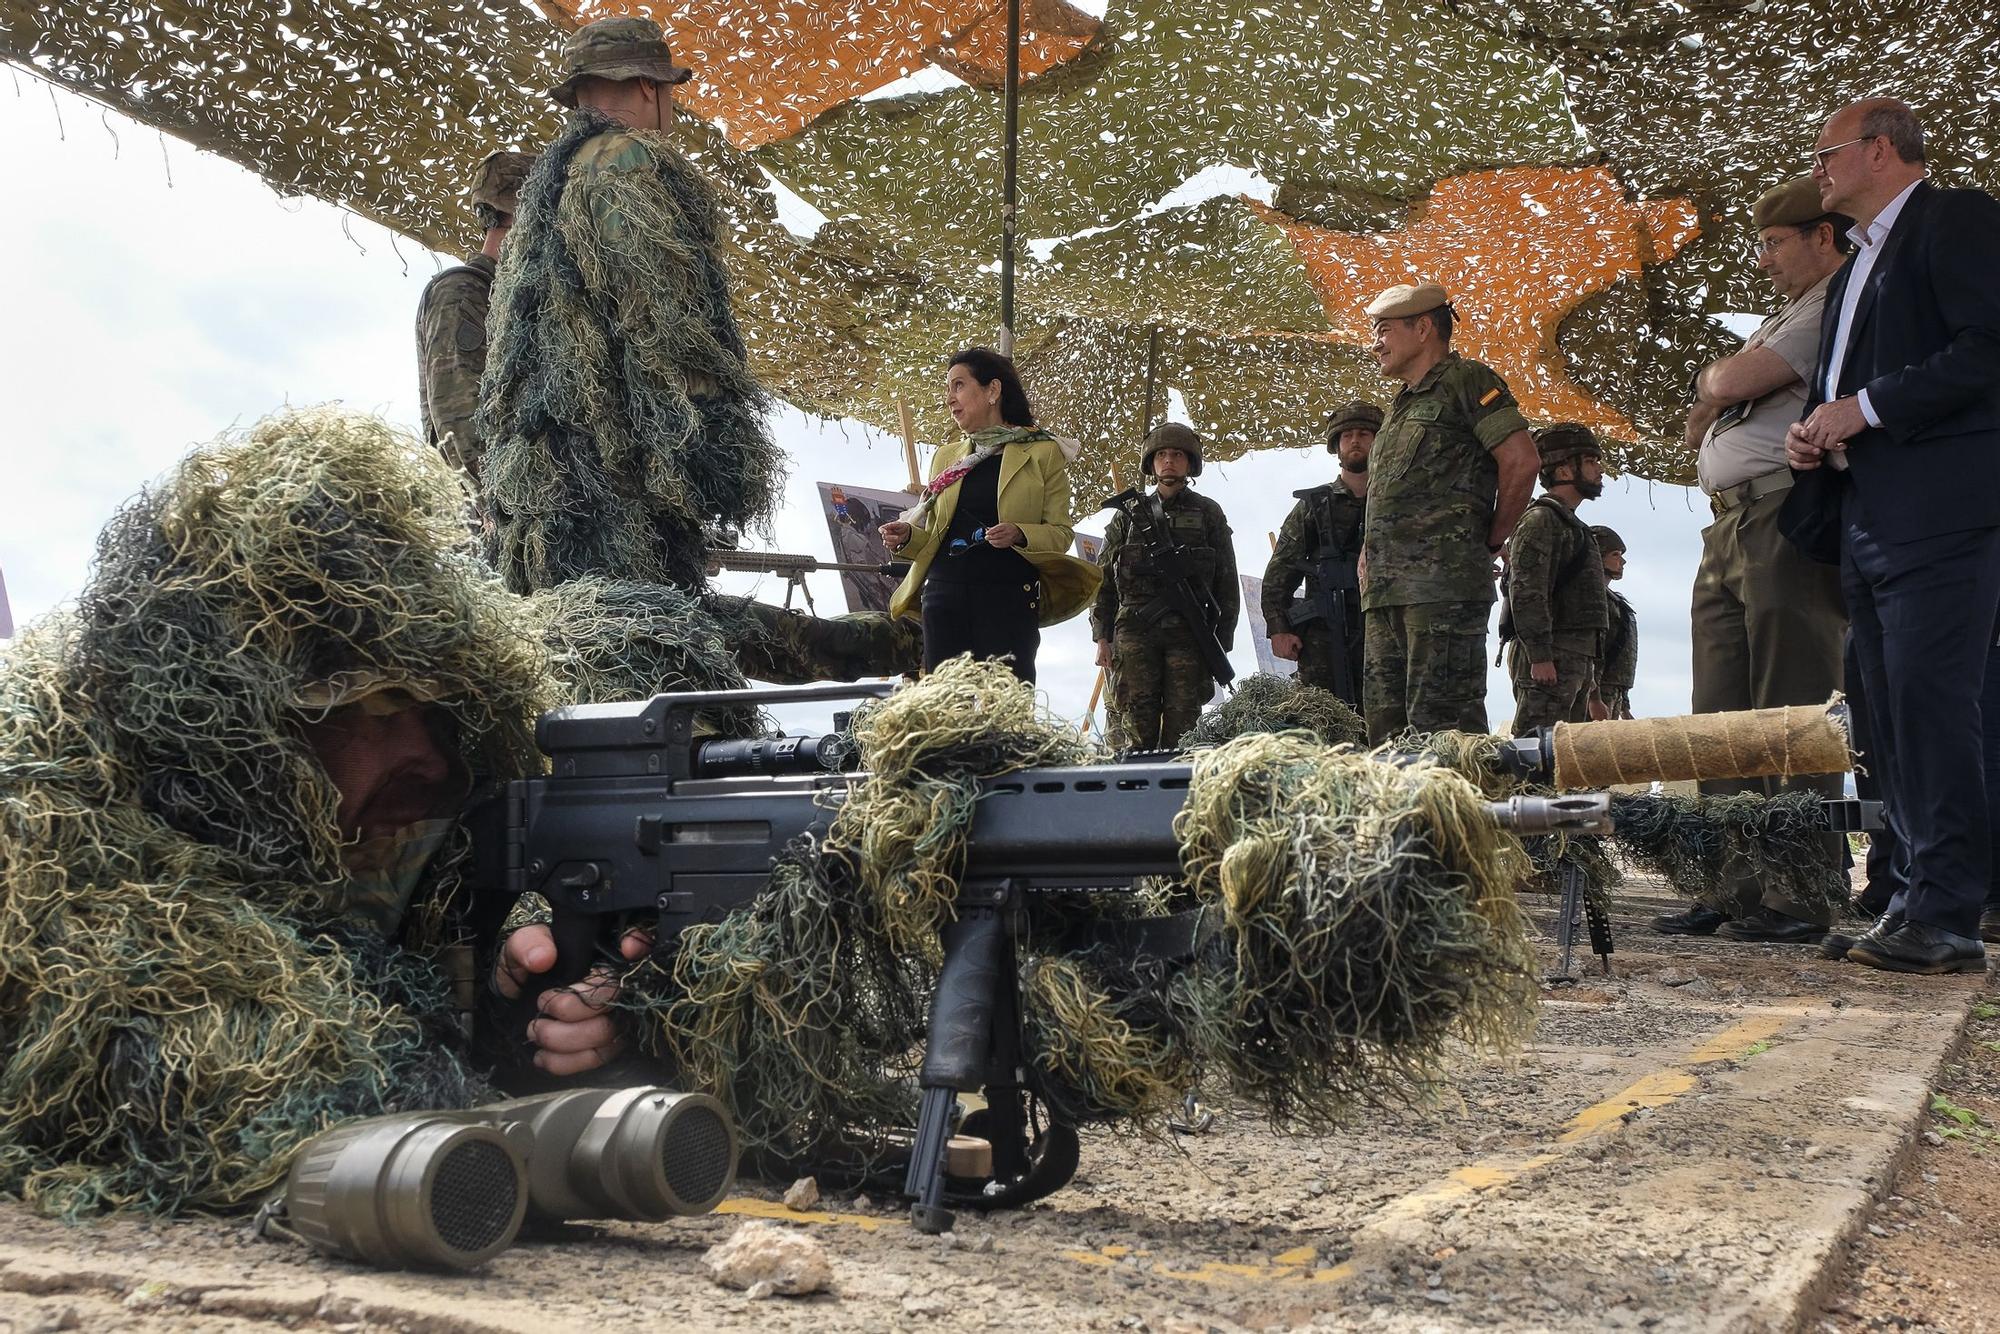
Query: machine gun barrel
x: 780, y: 562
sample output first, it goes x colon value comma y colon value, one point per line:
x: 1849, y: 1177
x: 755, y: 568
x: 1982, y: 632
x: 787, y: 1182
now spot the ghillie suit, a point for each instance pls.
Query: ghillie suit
x: 1699, y: 843
x: 192, y: 982
x: 792, y: 648
x: 1360, y: 916
x: 1266, y: 703
x: 619, y: 406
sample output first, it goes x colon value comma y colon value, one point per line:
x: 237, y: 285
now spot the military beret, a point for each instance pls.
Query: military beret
x: 1406, y: 299
x: 1565, y: 440
x: 1793, y: 204
x: 1608, y: 540
x: 1360, y: 413
x: 498, y: 179
x: 1172, y: 435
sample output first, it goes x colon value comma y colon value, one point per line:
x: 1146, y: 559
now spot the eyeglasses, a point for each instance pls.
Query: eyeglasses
x: 1820, y: 155
x: 1763, y: 248
x: 958, y: 546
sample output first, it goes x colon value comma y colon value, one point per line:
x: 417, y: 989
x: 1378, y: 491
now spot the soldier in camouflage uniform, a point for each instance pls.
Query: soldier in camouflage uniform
x: 1450, y: 473
x: 1159, y: 680
x: 1620, y: 667
x: 1556, y: 611
x: 451, y: 318
x: 1327, y: 519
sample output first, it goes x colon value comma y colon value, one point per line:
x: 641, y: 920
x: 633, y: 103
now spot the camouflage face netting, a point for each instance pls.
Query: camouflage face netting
x: 621, y: 415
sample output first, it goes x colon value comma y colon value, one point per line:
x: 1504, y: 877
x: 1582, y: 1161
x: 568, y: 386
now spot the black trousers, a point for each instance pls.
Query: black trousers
x: 1883, y: 878
x: 987, y: 620
x: 1922, y: 615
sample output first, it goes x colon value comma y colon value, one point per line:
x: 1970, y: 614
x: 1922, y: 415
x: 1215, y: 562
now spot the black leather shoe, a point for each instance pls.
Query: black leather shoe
x: 1917, y: 947
x: 1696, y: 921
x: 1989, y: 924
x: 1768, y: 926
x: 1836, y: 945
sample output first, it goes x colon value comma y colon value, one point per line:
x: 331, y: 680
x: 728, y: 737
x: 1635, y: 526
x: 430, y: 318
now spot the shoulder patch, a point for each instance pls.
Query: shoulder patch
x: 1487, y: 399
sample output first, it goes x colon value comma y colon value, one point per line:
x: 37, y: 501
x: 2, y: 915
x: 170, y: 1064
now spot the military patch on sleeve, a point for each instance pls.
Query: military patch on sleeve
x: 471, y: 336
x: 1486, y: 399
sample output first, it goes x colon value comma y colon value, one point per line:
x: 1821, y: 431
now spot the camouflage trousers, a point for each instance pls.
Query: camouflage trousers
x: 1158, y: 685
x: 1424, y: 667
x: 1317, y: 659
x: 1568, y: 700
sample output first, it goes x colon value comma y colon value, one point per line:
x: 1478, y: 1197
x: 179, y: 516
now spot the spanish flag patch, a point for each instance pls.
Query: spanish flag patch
x: 1486, y: 399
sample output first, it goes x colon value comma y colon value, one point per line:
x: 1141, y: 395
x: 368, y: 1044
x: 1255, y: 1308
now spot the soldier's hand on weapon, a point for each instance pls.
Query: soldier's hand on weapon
x: 1285, y: 646
x: 572, y: 1033
x: 1543, y: 672
x: 895, y: 534
x: 1005, y: 535
x: 1104, y: 653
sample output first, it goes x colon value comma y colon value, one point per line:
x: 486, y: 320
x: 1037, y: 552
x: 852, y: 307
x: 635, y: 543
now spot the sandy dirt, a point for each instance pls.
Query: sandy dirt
x: 1686, y: 1144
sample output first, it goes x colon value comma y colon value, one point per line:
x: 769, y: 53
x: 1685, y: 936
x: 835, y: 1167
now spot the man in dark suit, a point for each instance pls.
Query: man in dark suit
x: 1906, y: 403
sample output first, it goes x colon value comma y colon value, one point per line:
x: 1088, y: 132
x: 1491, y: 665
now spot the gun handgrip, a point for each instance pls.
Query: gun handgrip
x: 961, y: 1028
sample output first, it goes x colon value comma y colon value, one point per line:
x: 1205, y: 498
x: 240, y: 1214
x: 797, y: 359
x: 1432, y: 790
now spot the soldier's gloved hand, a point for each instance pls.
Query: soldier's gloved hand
x: 1004, y: 535
x: 1286, y: 646
x: 1543, y: 672
x: 571, y: 1032
x: 895, y: 534
x: 1104, y: 653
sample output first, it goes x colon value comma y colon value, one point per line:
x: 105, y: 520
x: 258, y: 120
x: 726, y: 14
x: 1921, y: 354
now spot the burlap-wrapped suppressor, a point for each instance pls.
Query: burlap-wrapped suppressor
x: 1755, y: 743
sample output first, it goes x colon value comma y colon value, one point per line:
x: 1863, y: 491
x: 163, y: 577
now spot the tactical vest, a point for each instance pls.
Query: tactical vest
x: 1186, y: 525
x: 1586, y: 550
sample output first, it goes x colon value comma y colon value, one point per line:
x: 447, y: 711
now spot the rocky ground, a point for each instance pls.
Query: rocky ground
x: 1692, y: 1142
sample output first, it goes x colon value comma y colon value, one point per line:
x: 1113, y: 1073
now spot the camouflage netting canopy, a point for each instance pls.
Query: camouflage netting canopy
x: 1244, y: 175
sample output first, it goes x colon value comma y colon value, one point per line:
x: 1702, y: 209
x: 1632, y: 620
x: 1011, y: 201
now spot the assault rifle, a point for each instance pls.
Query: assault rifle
x: 640, y: 823
x: 1334, y: 585
x: 795, y: 568
x: 1193, y: 601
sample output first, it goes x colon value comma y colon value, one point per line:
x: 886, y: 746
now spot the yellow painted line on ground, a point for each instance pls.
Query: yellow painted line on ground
x: 1300, y: 1264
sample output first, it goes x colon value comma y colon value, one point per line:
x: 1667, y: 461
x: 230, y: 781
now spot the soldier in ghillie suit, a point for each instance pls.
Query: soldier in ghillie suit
x: 1452, y: 469
x: 1160, y: 680
x: 620, y: 411
x: 1555, y: 615
x: 451, y: 318
x: 1620, y: 664
x: 1323, y: 534
x: 232, y: 907
x: 623, y: 420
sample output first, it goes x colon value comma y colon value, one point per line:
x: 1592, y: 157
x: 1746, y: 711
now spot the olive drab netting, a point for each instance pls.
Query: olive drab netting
x: 1702, y: 846
x: 1267, y: 703
x: 1360, y: 917
x: 1241, y: 174
x: 186, y: 993
x: 621, y: 420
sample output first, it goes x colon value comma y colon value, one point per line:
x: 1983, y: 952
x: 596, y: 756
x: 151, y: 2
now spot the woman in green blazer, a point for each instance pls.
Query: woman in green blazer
x: 988, y: 544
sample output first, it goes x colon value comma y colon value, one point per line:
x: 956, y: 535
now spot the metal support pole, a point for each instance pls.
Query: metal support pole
x: 1011, y: 182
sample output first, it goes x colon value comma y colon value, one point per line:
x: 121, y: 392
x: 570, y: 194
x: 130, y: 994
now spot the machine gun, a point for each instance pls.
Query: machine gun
x: 796, y: 568
x: 1334, y: 588
x: 1194, y: 603
x: 641, y: 823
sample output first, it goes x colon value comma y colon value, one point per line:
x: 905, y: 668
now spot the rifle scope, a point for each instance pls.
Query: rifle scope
x: 761, y: 757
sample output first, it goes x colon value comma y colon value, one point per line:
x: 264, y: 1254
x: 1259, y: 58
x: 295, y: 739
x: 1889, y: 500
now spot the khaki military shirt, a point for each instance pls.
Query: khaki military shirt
x: 1555, y: 580
x: 1433, y: 485
x: 1748, y: 440
x: 1132, y: 583
x: 451, y: 356
x: 1329, y: 514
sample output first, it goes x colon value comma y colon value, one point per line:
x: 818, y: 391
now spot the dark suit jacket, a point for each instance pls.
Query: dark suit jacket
x: 1925, y: 344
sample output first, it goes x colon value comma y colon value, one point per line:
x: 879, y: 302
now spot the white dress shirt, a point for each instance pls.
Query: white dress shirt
x: 1868, y: 242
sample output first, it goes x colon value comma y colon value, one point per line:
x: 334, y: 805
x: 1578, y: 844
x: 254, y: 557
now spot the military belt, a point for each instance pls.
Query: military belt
x: 1735, y: 497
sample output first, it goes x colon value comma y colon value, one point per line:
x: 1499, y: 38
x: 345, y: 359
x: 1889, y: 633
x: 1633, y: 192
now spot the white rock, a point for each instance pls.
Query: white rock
x: 803, y: 1195
x: 756, y: 1254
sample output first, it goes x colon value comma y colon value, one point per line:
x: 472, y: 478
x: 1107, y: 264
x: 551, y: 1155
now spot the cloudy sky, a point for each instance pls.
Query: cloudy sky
x: 163, y: 295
